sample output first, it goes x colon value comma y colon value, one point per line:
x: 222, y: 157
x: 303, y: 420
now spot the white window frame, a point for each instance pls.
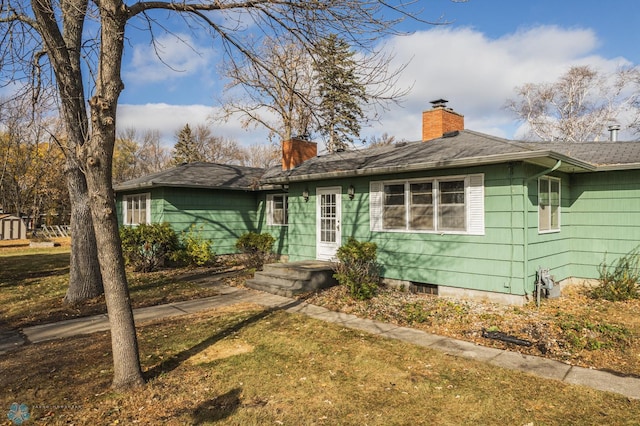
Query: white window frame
x: 127, y: 199
x: 474, y: 204
x: 550, y: 229
x: 271, y: 209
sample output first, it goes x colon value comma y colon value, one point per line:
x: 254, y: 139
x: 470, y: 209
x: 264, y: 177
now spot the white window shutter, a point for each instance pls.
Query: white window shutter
x: 269, y: 202
x: 376, y: 190
x: 476, y: 204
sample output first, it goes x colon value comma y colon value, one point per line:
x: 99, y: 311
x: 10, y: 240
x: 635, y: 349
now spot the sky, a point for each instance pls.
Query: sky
x: 486, y: 49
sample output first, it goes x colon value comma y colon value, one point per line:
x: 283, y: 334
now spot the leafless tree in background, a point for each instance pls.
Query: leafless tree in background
x: 284, y: 97
x: 137, y: 155
x: 579, y: 106
x: 280, y: 98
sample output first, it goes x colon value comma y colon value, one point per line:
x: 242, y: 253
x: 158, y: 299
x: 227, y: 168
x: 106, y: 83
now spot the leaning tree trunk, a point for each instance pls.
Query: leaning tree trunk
x: 85, y: 281
x: 98, y: 159
x: 95, y: 152
x: 124, y: 344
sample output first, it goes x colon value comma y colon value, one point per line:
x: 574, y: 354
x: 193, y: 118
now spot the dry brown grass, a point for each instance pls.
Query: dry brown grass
x: 33, y: 283
x: 242, y: 365
x: 574, y: 328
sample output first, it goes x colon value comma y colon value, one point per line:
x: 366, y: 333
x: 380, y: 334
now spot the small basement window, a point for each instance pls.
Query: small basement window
x: 423, y: 288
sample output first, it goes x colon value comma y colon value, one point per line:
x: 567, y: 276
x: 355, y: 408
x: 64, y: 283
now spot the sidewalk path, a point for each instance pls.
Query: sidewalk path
x: 601, y: 380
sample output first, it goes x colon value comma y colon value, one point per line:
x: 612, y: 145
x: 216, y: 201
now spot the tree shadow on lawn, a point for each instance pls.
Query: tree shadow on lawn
x: 176, y: 360
x: 142, y: 283
x: 15, y: 269
x: 218, y: 408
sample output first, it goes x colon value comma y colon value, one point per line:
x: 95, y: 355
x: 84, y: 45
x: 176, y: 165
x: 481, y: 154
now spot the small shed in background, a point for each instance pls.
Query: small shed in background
x: 12, y: 228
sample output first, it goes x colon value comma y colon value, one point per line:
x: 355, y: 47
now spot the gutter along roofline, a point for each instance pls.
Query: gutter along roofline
x: 573, y: 164
x: 151, y: 185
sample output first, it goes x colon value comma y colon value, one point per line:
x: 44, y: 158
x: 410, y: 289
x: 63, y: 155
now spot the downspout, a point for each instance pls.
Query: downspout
x: 525, y: 210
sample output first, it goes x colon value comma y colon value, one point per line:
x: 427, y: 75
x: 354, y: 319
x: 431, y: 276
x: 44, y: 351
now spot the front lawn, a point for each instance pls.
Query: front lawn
x: 243, y: 365
x: 574, y: 328
x: 33, y: 283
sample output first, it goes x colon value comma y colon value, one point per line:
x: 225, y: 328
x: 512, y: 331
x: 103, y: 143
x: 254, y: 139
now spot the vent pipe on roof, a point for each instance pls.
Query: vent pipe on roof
x: 613, y: 132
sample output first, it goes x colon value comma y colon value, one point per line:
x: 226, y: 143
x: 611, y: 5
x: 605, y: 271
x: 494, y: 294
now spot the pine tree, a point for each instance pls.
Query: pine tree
x: 186, y: 150
x: 340, y: 92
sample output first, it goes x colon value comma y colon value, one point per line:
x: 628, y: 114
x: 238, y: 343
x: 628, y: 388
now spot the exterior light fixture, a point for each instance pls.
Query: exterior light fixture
x: 351, y: 192
x: 305, y: 194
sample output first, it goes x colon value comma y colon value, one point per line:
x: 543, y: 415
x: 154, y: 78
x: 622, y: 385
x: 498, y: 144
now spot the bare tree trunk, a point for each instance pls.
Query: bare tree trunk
x: 124, y: 344
x: 85, y: 281
x: 94, y: 147
x: 98, y: 160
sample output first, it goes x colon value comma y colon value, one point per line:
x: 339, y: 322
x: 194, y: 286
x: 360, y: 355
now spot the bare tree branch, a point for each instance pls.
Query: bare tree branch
x: 579, y: 106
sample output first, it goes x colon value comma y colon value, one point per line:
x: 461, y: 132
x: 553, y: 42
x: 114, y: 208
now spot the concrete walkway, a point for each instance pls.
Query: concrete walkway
x: 601, y: 380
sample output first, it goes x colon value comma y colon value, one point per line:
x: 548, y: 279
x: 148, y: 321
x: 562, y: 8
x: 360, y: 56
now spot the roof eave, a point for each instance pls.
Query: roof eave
x: 570, y: 164
x: 614, y: 167
x: 151, y: 185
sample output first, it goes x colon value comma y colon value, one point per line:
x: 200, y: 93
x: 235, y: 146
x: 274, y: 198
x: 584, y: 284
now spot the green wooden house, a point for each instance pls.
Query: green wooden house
x: 459, y: 213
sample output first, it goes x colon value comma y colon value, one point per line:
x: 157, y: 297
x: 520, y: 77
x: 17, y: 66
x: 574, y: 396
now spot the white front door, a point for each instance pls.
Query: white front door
x: 328, y: 217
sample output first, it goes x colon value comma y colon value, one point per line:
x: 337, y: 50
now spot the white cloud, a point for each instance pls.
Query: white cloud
x: 168, y: 119
x: 169, y: 57
x: 477, y: 74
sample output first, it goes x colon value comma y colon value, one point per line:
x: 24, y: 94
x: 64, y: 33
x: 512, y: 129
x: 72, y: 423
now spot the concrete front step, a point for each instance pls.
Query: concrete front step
x: 289, y: 279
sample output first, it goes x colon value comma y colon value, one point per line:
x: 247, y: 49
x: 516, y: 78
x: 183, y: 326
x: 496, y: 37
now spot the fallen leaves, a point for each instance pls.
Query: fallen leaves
x: 573, y: 328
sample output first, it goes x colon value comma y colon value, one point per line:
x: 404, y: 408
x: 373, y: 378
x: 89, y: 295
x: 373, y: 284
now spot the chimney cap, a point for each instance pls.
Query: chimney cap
x: 439, y: 103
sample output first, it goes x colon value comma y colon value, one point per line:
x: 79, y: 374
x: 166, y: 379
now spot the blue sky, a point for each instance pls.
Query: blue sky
x: 489, y: 48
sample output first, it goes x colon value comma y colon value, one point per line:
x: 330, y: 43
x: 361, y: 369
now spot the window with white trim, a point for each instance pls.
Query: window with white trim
x: 548, y: 204
x: 137, y: 209
x: 277, y: 209
x: 443, y: 205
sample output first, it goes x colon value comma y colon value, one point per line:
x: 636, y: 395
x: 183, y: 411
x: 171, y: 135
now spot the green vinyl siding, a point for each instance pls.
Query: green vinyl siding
x: 485, y: 262
x: 218, y: 215
x: 604, y: 220
x: 599, y: 215
x: 279, y: 232
x: 221, y: 215
x: 547, y: 249
x: 302, y: 222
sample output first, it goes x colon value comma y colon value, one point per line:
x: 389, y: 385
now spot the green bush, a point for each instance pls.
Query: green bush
x: 145, y: 247
x: 620, y: 280
x: 256, y: 248
x: 358, y: 269
x: 195, y: 249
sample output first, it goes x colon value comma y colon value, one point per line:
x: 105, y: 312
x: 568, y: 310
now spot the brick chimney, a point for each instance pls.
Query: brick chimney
x: 297, y: 151
x: 440, y: 120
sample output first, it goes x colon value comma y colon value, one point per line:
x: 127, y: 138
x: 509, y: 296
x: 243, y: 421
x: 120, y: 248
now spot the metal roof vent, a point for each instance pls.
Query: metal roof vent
x: 613, y: 132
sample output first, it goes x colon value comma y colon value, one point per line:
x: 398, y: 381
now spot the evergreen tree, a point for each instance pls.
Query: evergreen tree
x: 186, y: 148
x: 340, y: 91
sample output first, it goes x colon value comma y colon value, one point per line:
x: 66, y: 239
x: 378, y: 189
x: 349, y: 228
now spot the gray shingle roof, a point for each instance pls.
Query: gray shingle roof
x: 462, y: 148
x: 605, y: 154
x: 199, y: 175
